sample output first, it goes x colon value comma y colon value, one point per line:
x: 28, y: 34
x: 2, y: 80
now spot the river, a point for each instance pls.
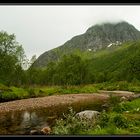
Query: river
x: 22, y: 122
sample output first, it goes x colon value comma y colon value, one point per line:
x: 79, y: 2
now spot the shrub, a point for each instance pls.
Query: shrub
x: 121, y: 107
x: 123, y: 85
x: 113, y: 100
x: 31, y: 92
x: 88, y: 89
x: 120, y: 121
x: 103, y: 119
x: 70, y: 124
x: 5, y: 88
x: 7, y: 96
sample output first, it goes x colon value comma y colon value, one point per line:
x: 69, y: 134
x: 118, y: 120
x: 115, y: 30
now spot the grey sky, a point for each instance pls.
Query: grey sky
x: 41, y: 28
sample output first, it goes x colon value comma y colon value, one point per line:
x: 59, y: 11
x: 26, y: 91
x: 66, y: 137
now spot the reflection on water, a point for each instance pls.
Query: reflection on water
x: 22, y: 122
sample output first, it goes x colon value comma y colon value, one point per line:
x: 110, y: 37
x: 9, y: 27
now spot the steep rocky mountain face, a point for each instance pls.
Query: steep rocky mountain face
x: 95, y: 38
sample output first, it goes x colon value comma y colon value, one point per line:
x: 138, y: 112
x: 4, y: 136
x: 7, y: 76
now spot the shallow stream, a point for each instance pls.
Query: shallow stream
x: 22, y: 122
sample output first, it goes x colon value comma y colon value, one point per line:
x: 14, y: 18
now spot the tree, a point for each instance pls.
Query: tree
x: 134, y: 66
x: 11, y: 57
x: 71, y: 70
x: 32, y: 60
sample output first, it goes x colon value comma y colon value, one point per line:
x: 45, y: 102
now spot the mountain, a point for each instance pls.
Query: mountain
x: 96, y: 38
x: 116, y: 63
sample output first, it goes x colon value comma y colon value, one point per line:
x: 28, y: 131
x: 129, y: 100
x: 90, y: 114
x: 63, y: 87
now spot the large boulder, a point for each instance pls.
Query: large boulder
x: 88, y: 114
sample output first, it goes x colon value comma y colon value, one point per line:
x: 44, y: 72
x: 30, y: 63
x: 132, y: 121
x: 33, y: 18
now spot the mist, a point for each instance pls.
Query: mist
x: 42, y: 28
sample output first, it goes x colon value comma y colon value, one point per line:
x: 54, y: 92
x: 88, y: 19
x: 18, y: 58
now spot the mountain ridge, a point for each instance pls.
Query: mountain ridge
x: 95, y: 38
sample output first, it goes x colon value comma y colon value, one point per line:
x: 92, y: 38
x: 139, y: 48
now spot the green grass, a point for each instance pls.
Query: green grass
x: 121, y: 118
x: 107, y: 131
x: 109, y: 123
x: 121, y: 85
x: 133, y: 106
x: 14, y: 93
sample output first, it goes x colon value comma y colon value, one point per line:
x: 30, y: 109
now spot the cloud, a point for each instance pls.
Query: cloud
x: 41, y: 28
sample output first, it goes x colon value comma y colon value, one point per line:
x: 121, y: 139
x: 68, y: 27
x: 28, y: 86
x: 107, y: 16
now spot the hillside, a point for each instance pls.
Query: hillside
x: 116, y: 63
x: 95, y: 38
x: 113, y: 64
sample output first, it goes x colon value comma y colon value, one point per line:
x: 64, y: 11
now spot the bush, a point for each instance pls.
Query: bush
x: 123, y: 85
x: 103, y: 119
x: 120, y: 121
x: 88, y: 89
x: 31, y: 92
x: 119, y: 108
x: 4, y: 88
x: 113, y: 100
x: 8, y: 96
x: 71, y: 125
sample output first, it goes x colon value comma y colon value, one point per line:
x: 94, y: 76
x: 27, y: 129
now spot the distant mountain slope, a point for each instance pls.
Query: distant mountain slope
x: 95, y: 38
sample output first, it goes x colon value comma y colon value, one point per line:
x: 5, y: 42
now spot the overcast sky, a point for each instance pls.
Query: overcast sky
x: 41, y: 28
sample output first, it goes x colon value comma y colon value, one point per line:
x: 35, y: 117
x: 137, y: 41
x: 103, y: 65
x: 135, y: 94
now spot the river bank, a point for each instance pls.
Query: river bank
x: 56, y: 100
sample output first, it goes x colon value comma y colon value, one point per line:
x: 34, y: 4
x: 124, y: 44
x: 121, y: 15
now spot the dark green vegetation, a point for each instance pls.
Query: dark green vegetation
x: 120, y: 118
x: 16, y: 93
x: 113, y: 56
x: 117, y: 63
x: 11, y: 59
x: 110, y: 68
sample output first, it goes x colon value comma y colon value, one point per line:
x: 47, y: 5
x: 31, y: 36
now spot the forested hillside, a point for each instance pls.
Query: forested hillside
x: 117, y: 63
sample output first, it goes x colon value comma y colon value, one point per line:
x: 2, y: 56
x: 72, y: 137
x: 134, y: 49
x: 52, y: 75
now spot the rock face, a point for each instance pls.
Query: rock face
x: 88, y: 114
x: 96, y: 37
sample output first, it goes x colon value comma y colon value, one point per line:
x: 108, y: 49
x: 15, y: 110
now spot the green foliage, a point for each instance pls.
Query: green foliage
x: 120, y: 108
x: 107, y: 123
x: 120, y: 121
x: 70, y: 124
x: 112, y: 65
x: 39, y: 91
x: 14, y: 93
x: 11, y: 59
x: 4, y: 87
x: 133, y: 106
x: 134, y: 66
x: 113, y: 100
x: 115, y: 64
x: 71, y: 70
x: 103, y: 119
x: 121, y: 85
x: 31, y: 92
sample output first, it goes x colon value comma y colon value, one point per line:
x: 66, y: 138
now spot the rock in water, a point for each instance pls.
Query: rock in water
x: 123, y: 99
x: 88, y: 114
x: 46, y: 130
x: 34, y: 132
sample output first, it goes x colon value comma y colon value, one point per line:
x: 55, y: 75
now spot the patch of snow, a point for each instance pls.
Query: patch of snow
x: 118, y: 43
x: 89, y: 49
x: 109, y: 45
